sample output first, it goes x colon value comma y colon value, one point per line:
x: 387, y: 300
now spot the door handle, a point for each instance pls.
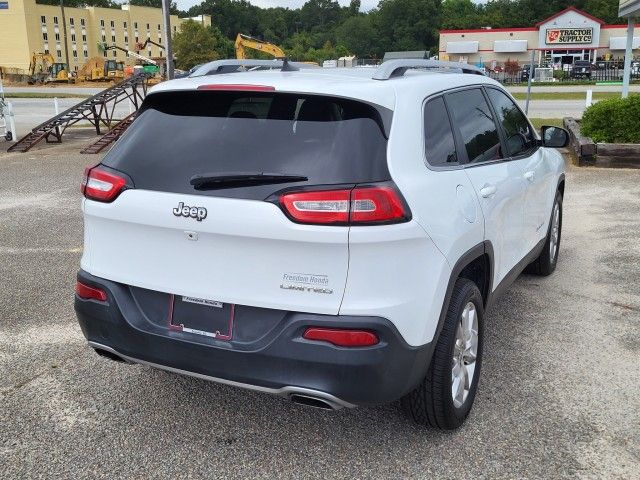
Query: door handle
x: 530, y: 175
x: 488, y: 191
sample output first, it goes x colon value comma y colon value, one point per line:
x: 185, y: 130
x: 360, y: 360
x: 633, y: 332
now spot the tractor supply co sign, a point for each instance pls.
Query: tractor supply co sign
x: 569, y: 35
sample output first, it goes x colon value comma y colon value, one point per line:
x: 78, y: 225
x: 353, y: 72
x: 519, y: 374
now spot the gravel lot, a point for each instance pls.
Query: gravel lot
x: 558, y: 398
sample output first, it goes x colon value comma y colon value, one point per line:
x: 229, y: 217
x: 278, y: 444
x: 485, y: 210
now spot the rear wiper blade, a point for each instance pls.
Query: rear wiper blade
x: 208, y: 181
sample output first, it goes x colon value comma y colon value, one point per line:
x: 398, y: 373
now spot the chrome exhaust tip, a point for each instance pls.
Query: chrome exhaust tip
x: 110, y: 355
x: 313, y: 402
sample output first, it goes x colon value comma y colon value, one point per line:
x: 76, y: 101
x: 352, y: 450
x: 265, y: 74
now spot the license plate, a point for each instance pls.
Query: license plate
x: 201, y: 316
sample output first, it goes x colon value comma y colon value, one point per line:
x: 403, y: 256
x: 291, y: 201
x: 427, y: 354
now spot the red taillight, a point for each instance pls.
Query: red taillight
x: 90, y: 293
x: 237, y: 88
x: 376, y: 204
x: 101, y: 185
x: 326, y: 206
x: 361, y: 205
x: 342, y: 337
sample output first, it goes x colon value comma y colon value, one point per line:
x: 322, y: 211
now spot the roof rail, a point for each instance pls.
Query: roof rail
x: 397, y: 68
x: 232, y: 65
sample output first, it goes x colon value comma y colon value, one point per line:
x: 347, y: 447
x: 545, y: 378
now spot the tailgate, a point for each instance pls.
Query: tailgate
x: 244, y: 252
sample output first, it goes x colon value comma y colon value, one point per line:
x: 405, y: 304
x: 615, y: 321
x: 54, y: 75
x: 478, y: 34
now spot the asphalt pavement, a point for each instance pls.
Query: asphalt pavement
x: 558, y: 397
x: 30, y: 112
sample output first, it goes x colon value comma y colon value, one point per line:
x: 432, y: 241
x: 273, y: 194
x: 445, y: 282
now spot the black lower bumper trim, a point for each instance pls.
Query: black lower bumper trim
x: 279, y: 362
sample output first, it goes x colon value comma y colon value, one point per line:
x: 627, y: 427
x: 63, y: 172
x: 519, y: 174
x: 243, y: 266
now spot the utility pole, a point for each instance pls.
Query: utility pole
x: 166, y: 14
x: 628, y: 54
x: 64, y: 34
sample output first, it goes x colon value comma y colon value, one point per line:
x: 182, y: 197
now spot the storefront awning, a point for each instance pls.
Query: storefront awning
x: 509, y: 46
x: 620, y: 43
x: 462, y: 47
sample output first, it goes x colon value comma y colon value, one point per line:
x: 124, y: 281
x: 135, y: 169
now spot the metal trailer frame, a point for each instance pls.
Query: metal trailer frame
x: 97, y: 110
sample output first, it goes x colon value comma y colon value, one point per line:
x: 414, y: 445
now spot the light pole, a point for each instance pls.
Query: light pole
x: 64, y: 35
x: 166, y: 14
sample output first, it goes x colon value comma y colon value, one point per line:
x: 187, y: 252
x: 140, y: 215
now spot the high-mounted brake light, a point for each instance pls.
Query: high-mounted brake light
x: 90, y: 293
x: 361, y: 205
x: 342, y: 337
x: 101, y: 185
x: 234, y: 87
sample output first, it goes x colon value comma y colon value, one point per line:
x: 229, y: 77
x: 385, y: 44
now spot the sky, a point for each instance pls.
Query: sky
x: 366, y: 4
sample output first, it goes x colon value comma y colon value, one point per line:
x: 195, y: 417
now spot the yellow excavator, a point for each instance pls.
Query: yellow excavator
x: 100, y: 69
x: 44, y: 68
x: 244, y: 42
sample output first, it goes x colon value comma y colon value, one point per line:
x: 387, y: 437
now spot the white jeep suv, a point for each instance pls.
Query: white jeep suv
x: 333, y: 236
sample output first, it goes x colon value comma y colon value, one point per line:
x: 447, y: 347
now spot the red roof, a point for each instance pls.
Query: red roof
x: 570, y: 9
x: 484, y: 30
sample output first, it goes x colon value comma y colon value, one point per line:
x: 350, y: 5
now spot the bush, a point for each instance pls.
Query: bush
x: 615, y: 120
x: 511, y: 67
x: 560, y: 75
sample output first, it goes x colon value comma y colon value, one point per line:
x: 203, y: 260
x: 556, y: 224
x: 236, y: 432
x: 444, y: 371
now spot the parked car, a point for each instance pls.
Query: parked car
x: 524, y: 73
x: 331, y: 236
x: 581, y: 69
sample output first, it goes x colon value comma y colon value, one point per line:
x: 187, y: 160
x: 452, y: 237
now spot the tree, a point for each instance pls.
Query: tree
x: 458, y: 14
x: 409, y: 24
x: 194, y: 44
x: 173, y: 8
x: 360, y: 36
x: 354, y: 7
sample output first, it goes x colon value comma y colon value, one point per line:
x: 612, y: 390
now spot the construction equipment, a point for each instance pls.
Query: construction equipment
x: 44, y: 68
x: 101, y: 69
x: 142, y: 46
x: 244, y: 42
x: 97, y: 110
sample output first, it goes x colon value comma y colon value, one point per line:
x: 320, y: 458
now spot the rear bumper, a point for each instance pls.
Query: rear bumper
x: 279, y: 361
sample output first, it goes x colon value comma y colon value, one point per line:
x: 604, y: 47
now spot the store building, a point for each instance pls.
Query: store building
x: 563, y: 38
x: 27, y: 27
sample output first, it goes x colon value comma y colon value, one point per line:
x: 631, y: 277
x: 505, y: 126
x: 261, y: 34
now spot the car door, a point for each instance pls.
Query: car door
x: 521, y: 147
x: 497, y: 183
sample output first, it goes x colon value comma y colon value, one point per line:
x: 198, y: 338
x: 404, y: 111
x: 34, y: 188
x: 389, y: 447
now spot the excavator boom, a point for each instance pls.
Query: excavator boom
x: 244, y: 42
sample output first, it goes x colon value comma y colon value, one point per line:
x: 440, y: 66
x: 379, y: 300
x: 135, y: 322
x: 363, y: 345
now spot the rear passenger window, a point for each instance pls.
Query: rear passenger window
x: 439, y: 145
x: 519, y: 135
x: 472, y: 116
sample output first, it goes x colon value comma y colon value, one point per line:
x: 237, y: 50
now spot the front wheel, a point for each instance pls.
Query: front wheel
x: 445, y: 396
x: 546, y: 262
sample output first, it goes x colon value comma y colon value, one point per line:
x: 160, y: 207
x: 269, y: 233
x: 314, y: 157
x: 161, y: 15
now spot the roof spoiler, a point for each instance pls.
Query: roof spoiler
x: 232, y: 65
x: 397, y: 68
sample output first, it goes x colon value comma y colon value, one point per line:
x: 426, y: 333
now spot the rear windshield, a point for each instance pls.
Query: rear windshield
x: 178, y: 135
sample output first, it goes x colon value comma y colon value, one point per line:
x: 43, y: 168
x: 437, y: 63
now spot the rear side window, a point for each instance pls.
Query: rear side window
x: 439, y: 143
x: 518, y: 132
x: 472, y: 117
x: 179, y: 135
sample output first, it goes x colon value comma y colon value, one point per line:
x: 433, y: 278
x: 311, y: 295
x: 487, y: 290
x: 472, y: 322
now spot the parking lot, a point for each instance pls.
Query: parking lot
x: 558, y: 395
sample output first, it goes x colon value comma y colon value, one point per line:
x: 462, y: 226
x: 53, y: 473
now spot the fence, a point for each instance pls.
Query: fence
x: 598, y: 72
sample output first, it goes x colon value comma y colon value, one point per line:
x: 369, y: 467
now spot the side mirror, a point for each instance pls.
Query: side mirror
x: 554, y: 137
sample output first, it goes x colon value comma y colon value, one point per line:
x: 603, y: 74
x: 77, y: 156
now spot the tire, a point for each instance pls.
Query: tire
x: 432, y: 402
x: 546, y: 262
x: 8, y: 136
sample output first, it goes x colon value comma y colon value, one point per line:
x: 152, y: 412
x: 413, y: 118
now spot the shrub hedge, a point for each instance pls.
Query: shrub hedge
x: 615, y: 120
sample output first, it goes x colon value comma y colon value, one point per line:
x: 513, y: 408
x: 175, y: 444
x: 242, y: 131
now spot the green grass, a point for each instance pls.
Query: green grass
x: 539, y: 122
x: 567, y: 95
x: 44, y: 95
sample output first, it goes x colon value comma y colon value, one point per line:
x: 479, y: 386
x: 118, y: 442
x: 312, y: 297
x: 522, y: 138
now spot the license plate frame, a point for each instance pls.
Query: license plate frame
x: 221, y: 321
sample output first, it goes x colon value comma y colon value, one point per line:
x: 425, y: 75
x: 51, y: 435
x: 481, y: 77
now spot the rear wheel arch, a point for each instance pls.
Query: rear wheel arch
x: 476, y: 264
